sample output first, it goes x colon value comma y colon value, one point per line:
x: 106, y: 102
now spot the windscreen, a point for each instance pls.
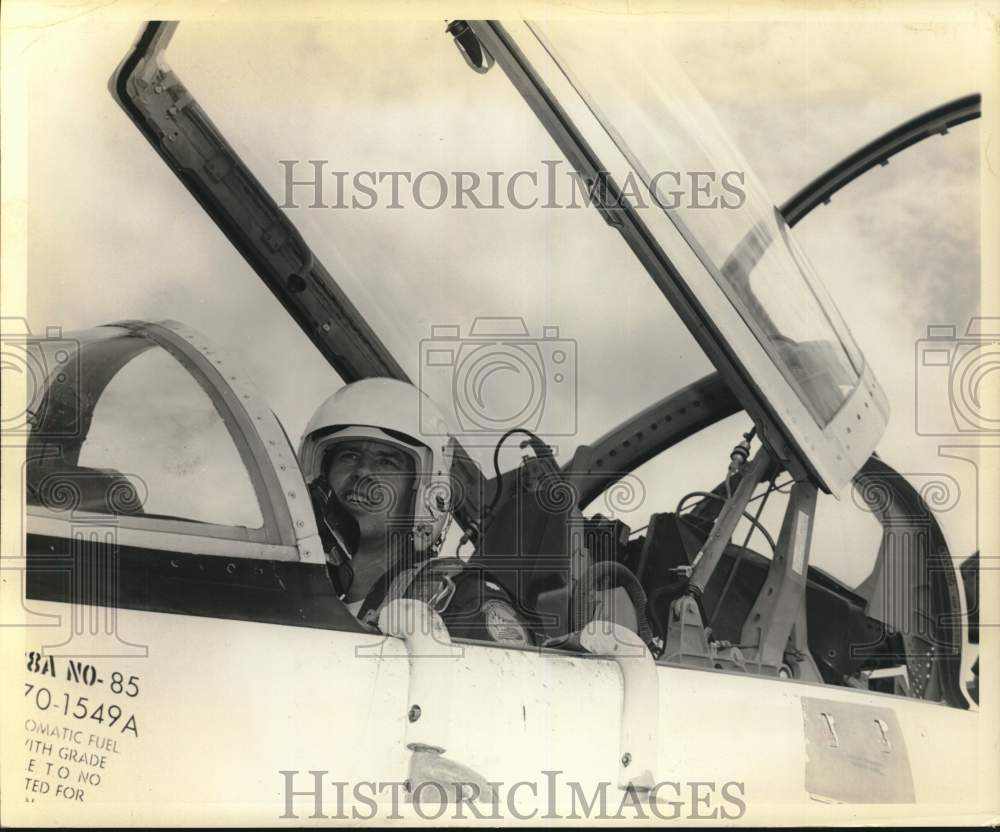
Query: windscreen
x: 670, y: 136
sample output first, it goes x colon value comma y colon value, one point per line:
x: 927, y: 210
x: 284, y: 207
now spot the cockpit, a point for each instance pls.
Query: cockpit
x: 660, y: 416
x: 149, y: 430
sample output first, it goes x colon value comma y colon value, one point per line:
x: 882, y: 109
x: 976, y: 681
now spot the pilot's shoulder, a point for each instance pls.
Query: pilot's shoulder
x: 428, y: 581
x: 471, y: 604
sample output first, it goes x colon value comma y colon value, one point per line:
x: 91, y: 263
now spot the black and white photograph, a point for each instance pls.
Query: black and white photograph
x: 500, y: 414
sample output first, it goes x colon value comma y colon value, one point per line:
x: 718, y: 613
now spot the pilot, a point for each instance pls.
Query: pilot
x: 375, y: 456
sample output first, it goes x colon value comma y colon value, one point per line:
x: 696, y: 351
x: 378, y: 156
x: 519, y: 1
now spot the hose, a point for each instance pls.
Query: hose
x: 609, y: 574
x: 540, y: 450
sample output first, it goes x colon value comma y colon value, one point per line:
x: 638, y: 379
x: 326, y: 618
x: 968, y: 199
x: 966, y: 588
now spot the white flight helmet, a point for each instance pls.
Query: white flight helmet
x: 398, y: 413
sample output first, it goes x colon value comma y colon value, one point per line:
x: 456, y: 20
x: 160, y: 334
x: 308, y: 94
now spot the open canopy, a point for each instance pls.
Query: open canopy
x: 571, y: 337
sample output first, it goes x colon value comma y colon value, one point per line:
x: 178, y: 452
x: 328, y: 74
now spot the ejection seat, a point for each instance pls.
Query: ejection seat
x: 561, y: 569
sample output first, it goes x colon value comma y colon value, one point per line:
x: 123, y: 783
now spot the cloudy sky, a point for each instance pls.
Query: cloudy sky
x: 113, y: 235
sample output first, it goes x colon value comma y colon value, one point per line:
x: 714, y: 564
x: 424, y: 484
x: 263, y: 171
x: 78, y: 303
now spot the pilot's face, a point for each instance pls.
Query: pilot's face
x: 371, y: 478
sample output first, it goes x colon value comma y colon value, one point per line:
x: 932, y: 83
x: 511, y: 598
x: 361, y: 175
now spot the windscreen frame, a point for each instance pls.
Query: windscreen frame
x: 832, y: 454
